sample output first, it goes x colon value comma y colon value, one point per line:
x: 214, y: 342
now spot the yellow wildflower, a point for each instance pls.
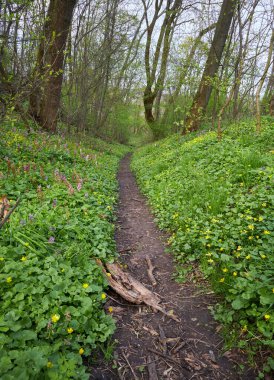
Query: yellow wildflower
x: 239, y: 248
x: 267, y: 317
x: 110, y: 309
x: 225, y: 270
x: 9, y: 280
x: 266, y: 232
x: 263, y: 256
x: 108, y: 274
x: 248, y: 257
x: 221, y: 249
x: 49, y: 364
x: 272, y: 290
x: 234, y: 274
x: 103, y: 296
x: 264, y: 204
x: 2, y: 259
x: 261, y: 218
x: 85, y: 285
x: 55, y: 318
x: 81, y: 351
x: 70, y: 330
x: 222, y: 280
x: 210, y: 261
x: 244, y: 328
x: 23, y: 258
x: 251, y: 226
x: 250, y: 237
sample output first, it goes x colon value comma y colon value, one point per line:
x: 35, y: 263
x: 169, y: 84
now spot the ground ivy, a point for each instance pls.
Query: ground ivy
x: 52, y: 290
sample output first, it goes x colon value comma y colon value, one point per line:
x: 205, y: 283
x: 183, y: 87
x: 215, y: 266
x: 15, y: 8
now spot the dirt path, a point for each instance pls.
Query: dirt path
x: 151, y: 345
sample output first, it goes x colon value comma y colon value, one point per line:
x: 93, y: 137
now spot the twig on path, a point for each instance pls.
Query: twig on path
x: 122, y: 304
x: 125, y: 250
x: 137, y: 200
x: 152, y: 372
x: 6, y: 218
x: 150, y: 271
x: 132, y: 370
x: 196, y: 340
x: 168, y: 358
x: 177, y: 348
x: 163, y: 339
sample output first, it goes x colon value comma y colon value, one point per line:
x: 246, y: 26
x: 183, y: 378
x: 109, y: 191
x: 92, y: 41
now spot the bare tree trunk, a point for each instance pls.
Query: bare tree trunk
x: 269, y: 92
x: 185, y: 68
x: 239, y: 66
x: 258, y: 92
x: 202, y: 96
x: 153, y: 85
x: 45, y: 97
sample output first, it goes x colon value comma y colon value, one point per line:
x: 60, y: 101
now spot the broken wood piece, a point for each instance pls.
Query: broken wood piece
x: 163, y: 339
x: 131, y: 289
x: 177, y: 348
x: 150, y: 330
x: 151, y: 367
x: 150, y: 271
x: 8, y: 214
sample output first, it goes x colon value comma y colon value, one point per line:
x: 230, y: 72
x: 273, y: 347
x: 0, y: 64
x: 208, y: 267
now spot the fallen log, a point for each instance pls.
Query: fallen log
x: 131, y: 289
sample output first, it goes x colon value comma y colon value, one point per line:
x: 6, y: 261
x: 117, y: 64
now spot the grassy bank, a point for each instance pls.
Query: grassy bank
x: 216, y: 200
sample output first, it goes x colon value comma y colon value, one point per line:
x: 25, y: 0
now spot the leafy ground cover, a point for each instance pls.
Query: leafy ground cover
x: 216, y: 200
x: 52, y: 291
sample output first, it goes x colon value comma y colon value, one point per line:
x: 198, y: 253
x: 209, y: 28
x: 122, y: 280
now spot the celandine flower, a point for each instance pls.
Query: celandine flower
x: 55, y: 318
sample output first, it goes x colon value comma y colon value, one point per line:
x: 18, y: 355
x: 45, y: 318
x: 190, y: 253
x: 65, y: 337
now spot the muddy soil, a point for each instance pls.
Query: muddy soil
x: 150, y: 345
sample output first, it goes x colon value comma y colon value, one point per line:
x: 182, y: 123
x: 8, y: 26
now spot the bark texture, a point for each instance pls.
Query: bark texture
x: 48, y: 75
x: 202, y: 96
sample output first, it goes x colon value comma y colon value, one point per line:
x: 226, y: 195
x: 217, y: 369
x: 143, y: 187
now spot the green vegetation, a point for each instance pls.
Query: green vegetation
x: 52, y: 290
x: 216, y: 200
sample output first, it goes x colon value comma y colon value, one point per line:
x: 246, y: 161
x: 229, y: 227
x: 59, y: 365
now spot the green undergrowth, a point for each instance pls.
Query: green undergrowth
x: 216, y: 200
x: 52, y: 290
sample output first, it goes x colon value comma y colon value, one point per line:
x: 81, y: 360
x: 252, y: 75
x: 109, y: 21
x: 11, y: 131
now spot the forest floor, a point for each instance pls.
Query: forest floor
x: 150, y: 345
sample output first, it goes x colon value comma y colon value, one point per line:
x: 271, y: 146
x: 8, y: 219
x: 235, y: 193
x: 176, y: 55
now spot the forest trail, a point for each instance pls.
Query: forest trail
x: 151, y: 345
